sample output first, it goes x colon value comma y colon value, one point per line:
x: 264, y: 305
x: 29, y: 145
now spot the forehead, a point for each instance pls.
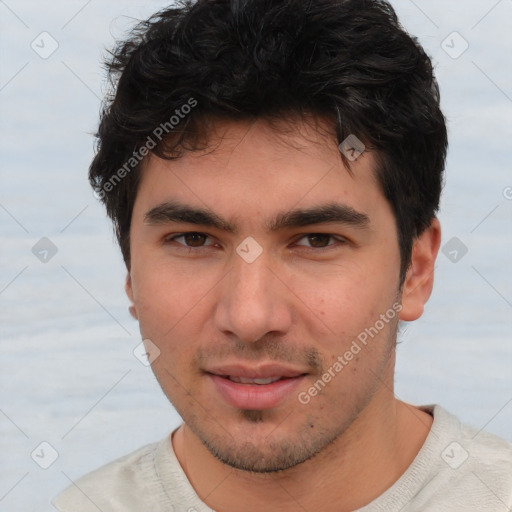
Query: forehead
x: 252, y: 166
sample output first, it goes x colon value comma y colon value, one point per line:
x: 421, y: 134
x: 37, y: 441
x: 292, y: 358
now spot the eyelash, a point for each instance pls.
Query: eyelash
x: 340, y: 241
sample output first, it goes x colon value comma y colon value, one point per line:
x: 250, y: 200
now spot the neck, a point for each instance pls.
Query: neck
x: 361, y: 464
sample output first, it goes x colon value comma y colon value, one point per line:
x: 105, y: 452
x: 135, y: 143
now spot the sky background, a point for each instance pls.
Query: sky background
x: 68, y: 375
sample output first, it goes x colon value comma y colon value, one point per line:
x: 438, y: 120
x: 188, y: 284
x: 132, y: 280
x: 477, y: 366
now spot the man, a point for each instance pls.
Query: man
x: 273, y: 171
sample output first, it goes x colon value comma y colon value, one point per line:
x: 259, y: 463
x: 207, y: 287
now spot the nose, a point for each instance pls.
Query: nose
x: 253, y: 301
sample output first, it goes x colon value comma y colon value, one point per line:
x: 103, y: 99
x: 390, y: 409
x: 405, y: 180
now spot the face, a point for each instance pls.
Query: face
x: 264, y: 258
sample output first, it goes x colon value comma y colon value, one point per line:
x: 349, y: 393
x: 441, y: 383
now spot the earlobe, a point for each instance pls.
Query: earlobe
x: 420, y: 275
x: 129, y: 292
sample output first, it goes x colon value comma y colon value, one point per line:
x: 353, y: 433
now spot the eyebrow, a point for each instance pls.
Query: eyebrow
x: 330, y: 213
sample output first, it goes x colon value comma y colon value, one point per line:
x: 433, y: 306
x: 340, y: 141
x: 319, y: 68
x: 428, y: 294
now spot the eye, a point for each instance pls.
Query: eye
x: 191, y: 239
x: 321, y: 240
x: 197, y: 240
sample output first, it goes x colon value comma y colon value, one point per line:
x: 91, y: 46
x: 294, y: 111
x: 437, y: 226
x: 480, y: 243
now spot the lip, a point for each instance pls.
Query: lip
x: 263, y: 371
x: 255, y: 396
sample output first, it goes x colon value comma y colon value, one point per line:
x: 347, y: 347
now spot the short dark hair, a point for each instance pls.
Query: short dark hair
x: 348, y: 61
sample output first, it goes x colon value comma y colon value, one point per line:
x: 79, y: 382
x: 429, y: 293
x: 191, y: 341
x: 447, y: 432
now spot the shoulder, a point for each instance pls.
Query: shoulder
x: 119, y: 485
x: 458, y: 468
x: 490, y: 455
x: 476, y: 465
x: 476, y: 447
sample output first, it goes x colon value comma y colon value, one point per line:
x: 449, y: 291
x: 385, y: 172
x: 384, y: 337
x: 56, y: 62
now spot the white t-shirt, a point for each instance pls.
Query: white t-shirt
x: 458, y: 469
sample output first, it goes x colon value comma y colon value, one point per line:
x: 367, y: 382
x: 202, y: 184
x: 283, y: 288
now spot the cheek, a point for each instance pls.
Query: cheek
x: 162, y: 283
x: 344, y: 297
x: 169, y: 301
x: 347, y: 316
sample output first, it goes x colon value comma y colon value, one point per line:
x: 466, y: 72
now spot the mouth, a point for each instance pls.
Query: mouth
x: 245, y: 380
x: 255, y: 389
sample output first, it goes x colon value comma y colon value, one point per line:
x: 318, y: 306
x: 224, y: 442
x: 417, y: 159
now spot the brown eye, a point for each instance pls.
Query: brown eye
x: 189, y: 240
x: 194, y: 239
x: 319, y: 239
x: 321, y: 242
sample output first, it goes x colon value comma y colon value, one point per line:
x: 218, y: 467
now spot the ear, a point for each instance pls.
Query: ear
x: 129, y: 292
x: 419, y: 279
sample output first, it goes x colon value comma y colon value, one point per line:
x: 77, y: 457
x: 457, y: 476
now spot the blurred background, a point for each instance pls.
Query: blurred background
x: 73, y: 395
